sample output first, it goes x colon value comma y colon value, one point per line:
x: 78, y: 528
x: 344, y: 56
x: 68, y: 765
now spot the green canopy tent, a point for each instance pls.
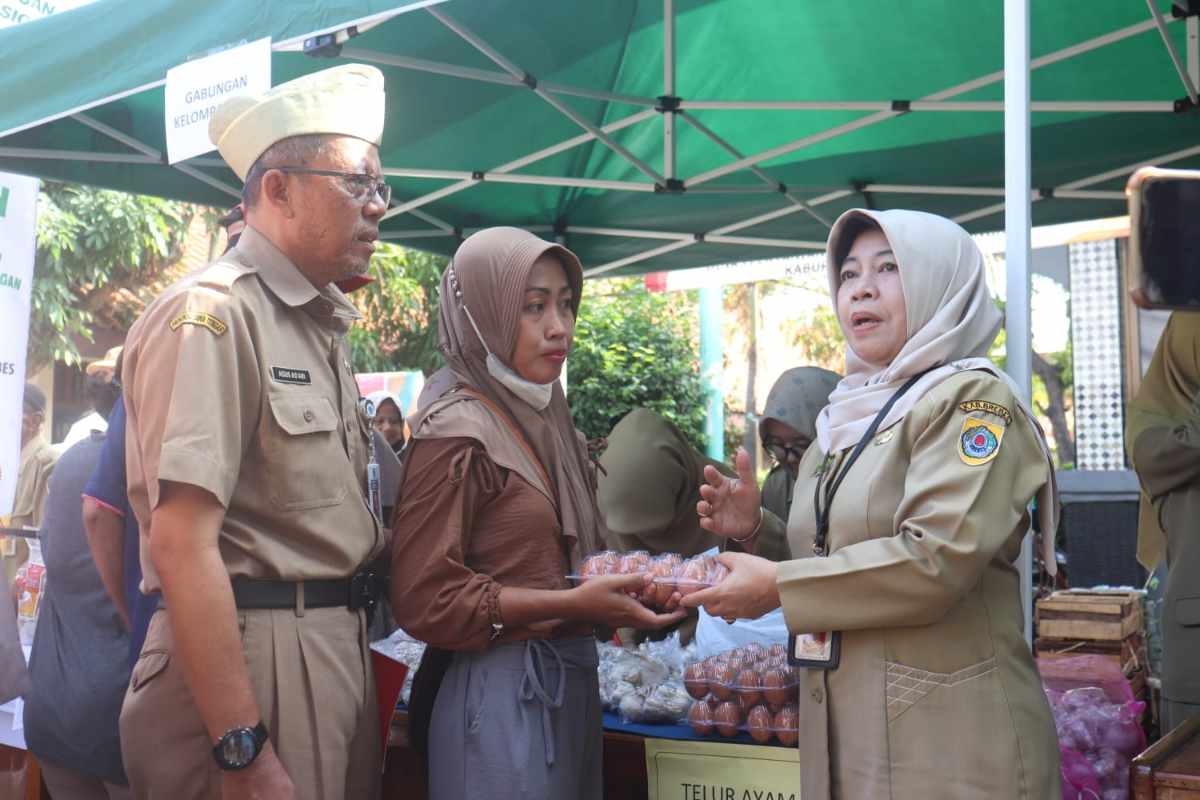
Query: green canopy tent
x: 648, y: 135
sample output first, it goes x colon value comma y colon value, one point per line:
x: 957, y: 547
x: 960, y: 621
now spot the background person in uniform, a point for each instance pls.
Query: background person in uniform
x: 33, y: 480
x: 389, y: 419
x: 787, y: 427
x: 247, y: 457
x: 1163, y: 437
x: 934, y: 692
x: 497, y: 505
x: 79, y: 664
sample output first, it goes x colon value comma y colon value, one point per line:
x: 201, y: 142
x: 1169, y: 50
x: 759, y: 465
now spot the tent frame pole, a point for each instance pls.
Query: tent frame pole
x: 1018, y: 223
x: 519, y: 163
x: 483, y: 47
x: 989, y: 106
x: 880, y: 116
x: 1188, y: 84
x: 668, y: 114
x: 488, y: 76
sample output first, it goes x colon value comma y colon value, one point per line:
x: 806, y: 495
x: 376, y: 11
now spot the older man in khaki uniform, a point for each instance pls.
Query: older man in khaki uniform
x: 33, y: 481
x: 247, y: 459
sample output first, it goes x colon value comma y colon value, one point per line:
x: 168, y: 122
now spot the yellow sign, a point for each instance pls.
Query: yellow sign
x: 691, y: 770
x: 201, y: 318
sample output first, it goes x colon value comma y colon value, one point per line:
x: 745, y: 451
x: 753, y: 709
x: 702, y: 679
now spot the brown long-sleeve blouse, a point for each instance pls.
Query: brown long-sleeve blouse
x: 464, y: 527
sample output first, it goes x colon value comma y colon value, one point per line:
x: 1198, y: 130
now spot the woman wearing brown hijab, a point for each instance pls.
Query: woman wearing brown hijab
x: 1163, y: 437
x: 497, y: 505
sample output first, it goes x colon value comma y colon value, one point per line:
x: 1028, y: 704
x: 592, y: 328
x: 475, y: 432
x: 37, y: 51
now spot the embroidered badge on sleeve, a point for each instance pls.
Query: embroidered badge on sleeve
x: 979, y: 441
x: 200, y: 318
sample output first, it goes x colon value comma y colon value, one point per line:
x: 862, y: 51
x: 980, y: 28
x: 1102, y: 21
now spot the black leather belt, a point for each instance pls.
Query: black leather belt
x: 360, y: 591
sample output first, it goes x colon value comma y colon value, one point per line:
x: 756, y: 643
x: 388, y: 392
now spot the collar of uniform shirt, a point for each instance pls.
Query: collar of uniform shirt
x: 277, y: 271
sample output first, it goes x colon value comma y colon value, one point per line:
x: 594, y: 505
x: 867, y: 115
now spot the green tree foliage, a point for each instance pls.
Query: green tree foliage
x: 400, y: 310
x: 634, y: 349
x: 90, y: 244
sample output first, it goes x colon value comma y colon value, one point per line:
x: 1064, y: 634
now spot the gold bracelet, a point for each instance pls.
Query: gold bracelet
x: 753, y: 533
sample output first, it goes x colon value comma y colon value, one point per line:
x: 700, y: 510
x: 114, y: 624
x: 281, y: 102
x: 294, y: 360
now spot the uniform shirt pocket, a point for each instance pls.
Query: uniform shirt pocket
x: 1187, y: 611
x: 306, y: 463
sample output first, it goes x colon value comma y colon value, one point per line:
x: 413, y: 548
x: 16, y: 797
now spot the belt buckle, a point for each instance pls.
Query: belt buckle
x: 362, y: 591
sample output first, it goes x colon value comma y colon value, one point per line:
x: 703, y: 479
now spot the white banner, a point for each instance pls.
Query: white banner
x: 18, y: 243
x: 195, y: 89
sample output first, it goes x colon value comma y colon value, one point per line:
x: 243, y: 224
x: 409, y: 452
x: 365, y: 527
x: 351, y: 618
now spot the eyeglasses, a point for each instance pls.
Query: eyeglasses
x: 781, y: 450
x: 362, y: 187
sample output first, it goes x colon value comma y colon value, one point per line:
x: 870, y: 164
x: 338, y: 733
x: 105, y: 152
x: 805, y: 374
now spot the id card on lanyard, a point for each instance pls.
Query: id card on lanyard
x: 823, y: 650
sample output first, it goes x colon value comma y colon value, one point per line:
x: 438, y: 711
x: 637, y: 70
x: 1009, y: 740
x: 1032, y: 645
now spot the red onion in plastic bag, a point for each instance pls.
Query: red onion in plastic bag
x: 1079, y: 780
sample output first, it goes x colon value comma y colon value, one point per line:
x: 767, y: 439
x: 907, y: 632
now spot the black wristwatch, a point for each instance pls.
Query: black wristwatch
x: 238, y: 747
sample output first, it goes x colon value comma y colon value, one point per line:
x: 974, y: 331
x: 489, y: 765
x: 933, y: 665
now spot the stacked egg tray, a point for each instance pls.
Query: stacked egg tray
x: 751, y: 689
x: 670, y: 573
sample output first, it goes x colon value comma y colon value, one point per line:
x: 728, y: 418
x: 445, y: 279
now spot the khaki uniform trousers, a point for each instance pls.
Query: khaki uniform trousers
x: 312, y: 679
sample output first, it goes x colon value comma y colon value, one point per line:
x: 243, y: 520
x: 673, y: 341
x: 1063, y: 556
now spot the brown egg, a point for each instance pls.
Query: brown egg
x: 716, y: 572
x: 775, y: 688
x: 759, y: 721
x: 777, y: 651
x: 634, y: 563
x: 696, y: 681
x: 737, y: 662
x: 700, y: 718
x: 720, y: 682
x: 692, y: 576
x: 755, y: 650
x: 662, y: 570
x: 727, y: 719
x: 748, y: 686
x: 787, y: 725
x: 776, y: 662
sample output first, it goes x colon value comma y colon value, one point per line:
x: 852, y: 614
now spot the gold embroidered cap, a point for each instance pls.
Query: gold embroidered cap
x: 347, y: 100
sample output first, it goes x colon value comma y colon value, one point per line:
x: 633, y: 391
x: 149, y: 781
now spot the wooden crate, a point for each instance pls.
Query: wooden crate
x: 1170, y: 769
x: 1129, y: 654
x: 1092, y: 615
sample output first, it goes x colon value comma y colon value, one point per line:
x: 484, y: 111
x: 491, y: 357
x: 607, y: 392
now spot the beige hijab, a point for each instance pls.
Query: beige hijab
x: 1164, y: 399
x: 488, y: 277
x: 952, y: 321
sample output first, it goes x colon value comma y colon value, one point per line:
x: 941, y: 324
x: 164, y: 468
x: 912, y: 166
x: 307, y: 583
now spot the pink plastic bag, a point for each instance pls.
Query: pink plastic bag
x: 1079, y: 781
x: 1076, y: 672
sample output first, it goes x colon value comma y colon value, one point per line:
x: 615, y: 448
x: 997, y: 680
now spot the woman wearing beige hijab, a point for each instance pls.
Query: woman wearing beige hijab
x: 903, y: 598
x: 1163, y: 437
x: 497, y: 505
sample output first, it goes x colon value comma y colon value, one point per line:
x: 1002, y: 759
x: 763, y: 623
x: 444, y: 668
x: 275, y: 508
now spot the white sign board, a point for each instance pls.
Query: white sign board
x: 18, y: 243
x: 195, y: 89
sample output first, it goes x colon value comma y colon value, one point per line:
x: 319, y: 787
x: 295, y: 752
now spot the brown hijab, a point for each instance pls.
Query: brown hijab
x: 487, y: 278
x: 1165, y: 399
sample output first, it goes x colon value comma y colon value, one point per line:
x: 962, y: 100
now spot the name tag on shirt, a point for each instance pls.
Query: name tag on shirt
x: 299, y: 377
x: 815, y: 650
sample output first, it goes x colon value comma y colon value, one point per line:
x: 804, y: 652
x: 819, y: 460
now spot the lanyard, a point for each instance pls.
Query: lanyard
x: 832, y: 485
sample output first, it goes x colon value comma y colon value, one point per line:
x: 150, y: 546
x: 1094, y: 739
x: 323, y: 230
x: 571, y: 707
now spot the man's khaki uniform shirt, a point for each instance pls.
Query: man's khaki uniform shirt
x: 238, y: 381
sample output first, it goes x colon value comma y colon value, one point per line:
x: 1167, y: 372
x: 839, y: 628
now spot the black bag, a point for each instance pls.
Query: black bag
x: 426, y: 683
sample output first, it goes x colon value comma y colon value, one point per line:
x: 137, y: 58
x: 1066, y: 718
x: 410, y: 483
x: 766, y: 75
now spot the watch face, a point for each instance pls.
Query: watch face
x: 238, y: 748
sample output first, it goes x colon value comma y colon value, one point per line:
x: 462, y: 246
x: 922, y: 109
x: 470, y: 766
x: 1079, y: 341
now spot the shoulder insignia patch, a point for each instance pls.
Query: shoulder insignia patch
x: 991, y: 408
x: 201, y: 318
x: 979, y: 441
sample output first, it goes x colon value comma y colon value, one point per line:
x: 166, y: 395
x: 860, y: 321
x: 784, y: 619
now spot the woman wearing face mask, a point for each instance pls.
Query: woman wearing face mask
x: 909, y: 512
x: 496, y: 506
x: 787, y: 427
x: 389, y: 419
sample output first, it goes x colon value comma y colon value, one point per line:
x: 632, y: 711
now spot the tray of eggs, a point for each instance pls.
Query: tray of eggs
x: 750, y: 689
x: 670, y: 573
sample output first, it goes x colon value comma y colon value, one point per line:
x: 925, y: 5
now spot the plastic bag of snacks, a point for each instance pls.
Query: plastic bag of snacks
x: 645, y: 685
x: 669, y: 572
x: 750, y: 689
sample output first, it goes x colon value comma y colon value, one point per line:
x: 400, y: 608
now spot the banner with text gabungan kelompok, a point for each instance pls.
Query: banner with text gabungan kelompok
x: 18, y: 243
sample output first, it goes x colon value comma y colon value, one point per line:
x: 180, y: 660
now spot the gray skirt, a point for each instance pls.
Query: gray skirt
x: 521, y: 720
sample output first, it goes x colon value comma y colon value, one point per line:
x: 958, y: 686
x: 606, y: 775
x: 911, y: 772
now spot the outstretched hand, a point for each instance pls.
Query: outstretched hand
x: 730, y: 507
x: 747, y: 592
